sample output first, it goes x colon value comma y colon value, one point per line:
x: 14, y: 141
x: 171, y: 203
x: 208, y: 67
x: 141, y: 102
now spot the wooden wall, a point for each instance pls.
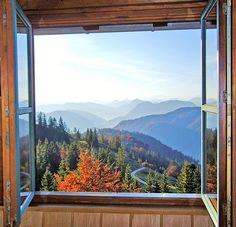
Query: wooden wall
x: 110, y: 216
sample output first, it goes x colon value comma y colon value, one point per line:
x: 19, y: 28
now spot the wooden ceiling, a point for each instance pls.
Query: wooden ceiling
x: 64, y: 13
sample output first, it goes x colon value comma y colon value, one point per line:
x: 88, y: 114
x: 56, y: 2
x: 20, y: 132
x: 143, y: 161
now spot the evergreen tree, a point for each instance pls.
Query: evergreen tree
x: 48, y: 182
x: 63, y: 169
x: 197, y: 181
x: 108, y: 156
x: 164, y: 183
x: 189, y: 180
x: 128, y: 179
x: 73, y: 156
x: 148, y: 186
x: 156, y: 183
x: 120, y: 159
x: 135, y: 183
x: 95, y: 139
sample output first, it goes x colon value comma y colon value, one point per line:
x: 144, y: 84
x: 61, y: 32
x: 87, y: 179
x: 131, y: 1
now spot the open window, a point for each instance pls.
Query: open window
x: 18, y: 115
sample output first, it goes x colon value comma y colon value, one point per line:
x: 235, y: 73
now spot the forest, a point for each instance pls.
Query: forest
x: 98, y: 161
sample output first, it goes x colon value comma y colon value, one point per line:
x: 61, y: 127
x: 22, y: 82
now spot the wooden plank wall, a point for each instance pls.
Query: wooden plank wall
x: 110, y: 216
x: 58, y: 13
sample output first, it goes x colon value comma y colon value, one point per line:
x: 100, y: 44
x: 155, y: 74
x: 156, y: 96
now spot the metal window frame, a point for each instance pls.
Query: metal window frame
x: 18, y: 12
x: 206, y: 108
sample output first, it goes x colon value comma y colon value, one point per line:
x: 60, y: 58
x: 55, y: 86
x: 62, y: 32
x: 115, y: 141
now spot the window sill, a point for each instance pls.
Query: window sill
x: 131, y: 199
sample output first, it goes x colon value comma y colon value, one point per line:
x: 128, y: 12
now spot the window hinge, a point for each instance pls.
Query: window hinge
x: 225, y: 97
x: 7, y: 140
x: 224, y: 209
x: 7, y: 112
x: 226, y: 6
x: 4, y: 19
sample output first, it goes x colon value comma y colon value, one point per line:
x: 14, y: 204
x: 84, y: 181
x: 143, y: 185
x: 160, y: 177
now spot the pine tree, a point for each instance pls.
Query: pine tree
x: 156, y: 183
x: 120, y: 159
x: 197, y: 181
x: 164, y: 183
x: 48, y: 182
x: 128, y: 179
x: 148, y: 186
x: 186, y: 182
x: 63, y: 169
x: 135, y: 183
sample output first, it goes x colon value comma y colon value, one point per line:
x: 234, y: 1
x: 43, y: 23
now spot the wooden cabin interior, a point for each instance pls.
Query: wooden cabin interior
x: 117, y: 210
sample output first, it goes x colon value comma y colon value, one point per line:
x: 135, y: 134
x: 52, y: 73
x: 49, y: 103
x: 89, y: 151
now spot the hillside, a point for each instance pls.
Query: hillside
x: 179, y: 129
x: 78, y: 119
x: 137, y: 141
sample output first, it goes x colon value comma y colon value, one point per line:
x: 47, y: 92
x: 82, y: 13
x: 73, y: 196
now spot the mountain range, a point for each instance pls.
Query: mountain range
x: 174, y: 123
x: 179, y: 129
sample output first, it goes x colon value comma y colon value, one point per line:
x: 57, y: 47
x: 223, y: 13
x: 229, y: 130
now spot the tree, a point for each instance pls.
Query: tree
x: 120, y: 159
x: 48, y: 182
x: 148, y: 186
x: 186, y: 182
x: 197, y: 181
x: 94, y: 176
x: 156, y: 183
x: 128, y: 178
x: 63, y: 169
x: 164, y: 183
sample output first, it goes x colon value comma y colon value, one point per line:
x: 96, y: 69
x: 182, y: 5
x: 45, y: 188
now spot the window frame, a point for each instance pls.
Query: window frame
x: 86, y: 199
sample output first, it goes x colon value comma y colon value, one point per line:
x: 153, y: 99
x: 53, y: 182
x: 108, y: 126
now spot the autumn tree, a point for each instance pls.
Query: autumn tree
x: 94, y: 176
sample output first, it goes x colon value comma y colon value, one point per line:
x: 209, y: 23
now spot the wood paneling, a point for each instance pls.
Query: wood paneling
x: 202, y: 220
x: 115, y: 220
x: 144, y: 220
x: 87, y: 219
x: 111, y: 216
x: 57, y: 13
x: 177, y: 221
x: 30, y: 217
x: 57, y: 219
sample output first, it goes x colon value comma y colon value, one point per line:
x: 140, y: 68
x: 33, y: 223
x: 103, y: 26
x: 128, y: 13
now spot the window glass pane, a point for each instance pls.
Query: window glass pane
x: 211, y: 59
x: 211, y: 155
x: 25, y: 153
x: 22, y: 61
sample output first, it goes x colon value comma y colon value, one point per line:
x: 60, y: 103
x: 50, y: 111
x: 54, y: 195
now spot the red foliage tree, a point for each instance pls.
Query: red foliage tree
x: 94, y: 176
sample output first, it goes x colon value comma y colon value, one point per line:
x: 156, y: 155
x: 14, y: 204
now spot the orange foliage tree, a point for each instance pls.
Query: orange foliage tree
x: 92, y: 176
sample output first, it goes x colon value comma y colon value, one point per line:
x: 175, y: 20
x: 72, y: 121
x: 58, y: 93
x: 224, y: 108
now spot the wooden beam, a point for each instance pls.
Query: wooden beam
x: 71, y: 4
x: 46, y: 14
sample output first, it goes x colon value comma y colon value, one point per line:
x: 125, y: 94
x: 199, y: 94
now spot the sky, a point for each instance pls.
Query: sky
x: 102, y: 67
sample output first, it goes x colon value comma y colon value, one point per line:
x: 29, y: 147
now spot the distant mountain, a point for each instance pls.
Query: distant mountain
x: 78, y: 119
x: 148, y: 143
x: 198, y: 101
x: 149, y: 108
x: 108, y: 112
x: 179, y: 129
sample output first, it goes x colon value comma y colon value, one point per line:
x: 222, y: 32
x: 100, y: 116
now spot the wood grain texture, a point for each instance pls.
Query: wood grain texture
x: 57, y: 219
x: 144, y: 220
x: 176, y: 221
x: 222, y: 116
x: 203, y: 220
x: 115, y: 220
x: 33, y: 218
x: 87, y: 219
x: 1, y: 217
x: 57, y: 13
x: 1, y: 153
x: 233, y: 113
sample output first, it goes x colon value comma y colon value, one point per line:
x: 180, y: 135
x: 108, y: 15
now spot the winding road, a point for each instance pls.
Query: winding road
x: 138, y: 179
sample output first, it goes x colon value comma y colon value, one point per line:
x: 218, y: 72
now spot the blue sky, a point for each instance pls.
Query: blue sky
x: 115, y: 66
